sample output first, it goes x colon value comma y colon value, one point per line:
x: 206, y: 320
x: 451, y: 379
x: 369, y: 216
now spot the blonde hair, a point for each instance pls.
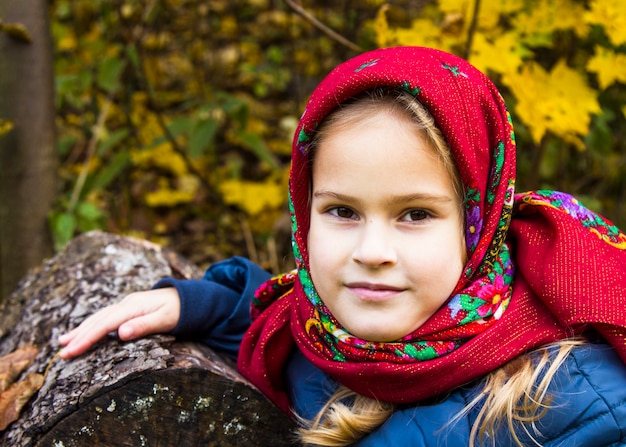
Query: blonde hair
x: 513, y: 394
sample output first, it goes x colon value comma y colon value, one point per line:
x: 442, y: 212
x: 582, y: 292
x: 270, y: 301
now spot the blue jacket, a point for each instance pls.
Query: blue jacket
x: 589, y: 390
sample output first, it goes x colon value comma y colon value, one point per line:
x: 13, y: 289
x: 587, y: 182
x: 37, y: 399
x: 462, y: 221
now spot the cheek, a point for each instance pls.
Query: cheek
x: 327, y: 256
x: 317, y: 244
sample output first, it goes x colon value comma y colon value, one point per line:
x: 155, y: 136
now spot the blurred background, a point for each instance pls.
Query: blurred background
x: 171, y: 120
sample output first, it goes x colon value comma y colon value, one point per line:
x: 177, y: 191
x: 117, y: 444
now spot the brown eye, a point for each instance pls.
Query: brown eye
x: 343, y: 212
x: 416, y: 215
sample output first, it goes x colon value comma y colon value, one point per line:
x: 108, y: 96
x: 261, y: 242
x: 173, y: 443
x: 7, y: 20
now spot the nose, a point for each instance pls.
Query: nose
x: 375, y: 246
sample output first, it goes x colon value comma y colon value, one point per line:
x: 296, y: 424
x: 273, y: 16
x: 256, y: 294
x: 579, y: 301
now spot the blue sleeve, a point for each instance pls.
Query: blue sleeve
x: 216, y: 309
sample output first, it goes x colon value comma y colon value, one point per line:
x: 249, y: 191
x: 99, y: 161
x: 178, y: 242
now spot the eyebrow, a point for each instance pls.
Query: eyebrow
x: 394, y: 200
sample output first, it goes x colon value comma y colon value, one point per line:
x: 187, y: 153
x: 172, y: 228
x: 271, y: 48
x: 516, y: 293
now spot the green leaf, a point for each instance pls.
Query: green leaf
x: 176, y: 128
x: 180, y: 126
x: 235, y: 108
x: 108, y: 173
x: 65, y: 144
x: 131, y: 53
x: 62, y: 225
x: 89, y: 211
x: 255, y: 143
x: 89, y: 216
x: 109, y: 73
x: 202, y: 136
x: 111, y: 140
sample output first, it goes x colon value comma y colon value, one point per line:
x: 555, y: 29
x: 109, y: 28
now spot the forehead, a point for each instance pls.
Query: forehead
x: 373, y: 154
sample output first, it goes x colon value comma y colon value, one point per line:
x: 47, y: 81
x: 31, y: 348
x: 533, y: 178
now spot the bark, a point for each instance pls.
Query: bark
x: 27, y: 153
x: 156, y: 391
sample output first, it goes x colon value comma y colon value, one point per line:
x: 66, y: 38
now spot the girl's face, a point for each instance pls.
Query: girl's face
x: 385, y: 241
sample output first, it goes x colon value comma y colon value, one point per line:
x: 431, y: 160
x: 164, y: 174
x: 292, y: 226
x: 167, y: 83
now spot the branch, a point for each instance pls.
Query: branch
x: 472, y: 30
x: 326, y: 30
x: 97, y: 131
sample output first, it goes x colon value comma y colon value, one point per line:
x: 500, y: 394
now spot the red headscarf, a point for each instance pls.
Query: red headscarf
x: 541, y: 267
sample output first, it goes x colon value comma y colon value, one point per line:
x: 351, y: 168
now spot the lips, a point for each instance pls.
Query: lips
x: 374, y: 291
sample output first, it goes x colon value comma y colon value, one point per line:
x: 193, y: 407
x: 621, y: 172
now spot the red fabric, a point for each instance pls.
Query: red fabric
x: 568, y: 265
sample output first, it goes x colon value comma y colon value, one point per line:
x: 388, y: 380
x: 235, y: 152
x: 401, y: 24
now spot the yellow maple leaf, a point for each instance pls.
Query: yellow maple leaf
x: 559, y: 101
x: 185, y: 192
x: 430, y: 30
x: 423, y: 32
x: 611, y: 15
x: 253, y: 197
x: 489, y: 13
x: 502, y: 54
x: 608, y: 65
x: 456, y: 6
x: 546, y: 16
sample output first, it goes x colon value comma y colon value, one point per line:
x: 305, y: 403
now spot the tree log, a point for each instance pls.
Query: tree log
x: 156, y: 391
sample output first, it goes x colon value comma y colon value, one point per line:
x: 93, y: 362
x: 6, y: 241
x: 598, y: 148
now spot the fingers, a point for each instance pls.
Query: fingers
x: 138, y: 315
x: 91, y: 330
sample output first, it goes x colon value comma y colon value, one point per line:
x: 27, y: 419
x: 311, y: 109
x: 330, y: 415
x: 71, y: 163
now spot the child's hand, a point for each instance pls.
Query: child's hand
x: 137, y: 315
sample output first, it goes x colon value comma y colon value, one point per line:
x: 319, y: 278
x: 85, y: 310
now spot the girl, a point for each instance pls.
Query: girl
x: 430, y: 305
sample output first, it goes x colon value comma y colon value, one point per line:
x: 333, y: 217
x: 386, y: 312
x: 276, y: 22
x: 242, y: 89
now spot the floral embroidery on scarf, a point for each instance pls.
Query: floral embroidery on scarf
x: 406, y: 86
x: 422, y: 351
x: 304, y: 142
x: 267, y: 293
x: 601, y: 227
x: 496, y: 171
x: 486, y: 299
x: 323, y: 338
x: 473, y: 218
x: 510, y: 121
x: 367, y: 65
x: 454, y: 70
x: 503, y: 226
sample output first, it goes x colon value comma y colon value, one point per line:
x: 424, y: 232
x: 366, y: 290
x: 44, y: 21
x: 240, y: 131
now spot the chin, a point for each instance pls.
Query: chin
x: 376, y: 336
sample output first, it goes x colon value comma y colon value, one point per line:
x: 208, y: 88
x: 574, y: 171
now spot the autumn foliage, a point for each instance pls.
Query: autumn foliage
x: 175, y: 117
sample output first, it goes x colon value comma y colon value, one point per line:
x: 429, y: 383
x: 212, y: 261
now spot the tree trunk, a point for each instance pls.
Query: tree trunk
x: 152, y: 392
x: 27, y: 152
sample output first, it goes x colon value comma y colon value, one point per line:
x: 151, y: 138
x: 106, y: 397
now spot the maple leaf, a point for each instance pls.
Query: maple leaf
x: 423, y: 32
x: 503, y: 54
x: 559, y: 101
x: 608, y: 65
x: 546, y: 16
x: 489, y: 13
x: 610, y: 15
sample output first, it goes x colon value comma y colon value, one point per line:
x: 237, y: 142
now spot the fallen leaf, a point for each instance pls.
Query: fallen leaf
x: 16, y: 396
x: 12, y: 365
